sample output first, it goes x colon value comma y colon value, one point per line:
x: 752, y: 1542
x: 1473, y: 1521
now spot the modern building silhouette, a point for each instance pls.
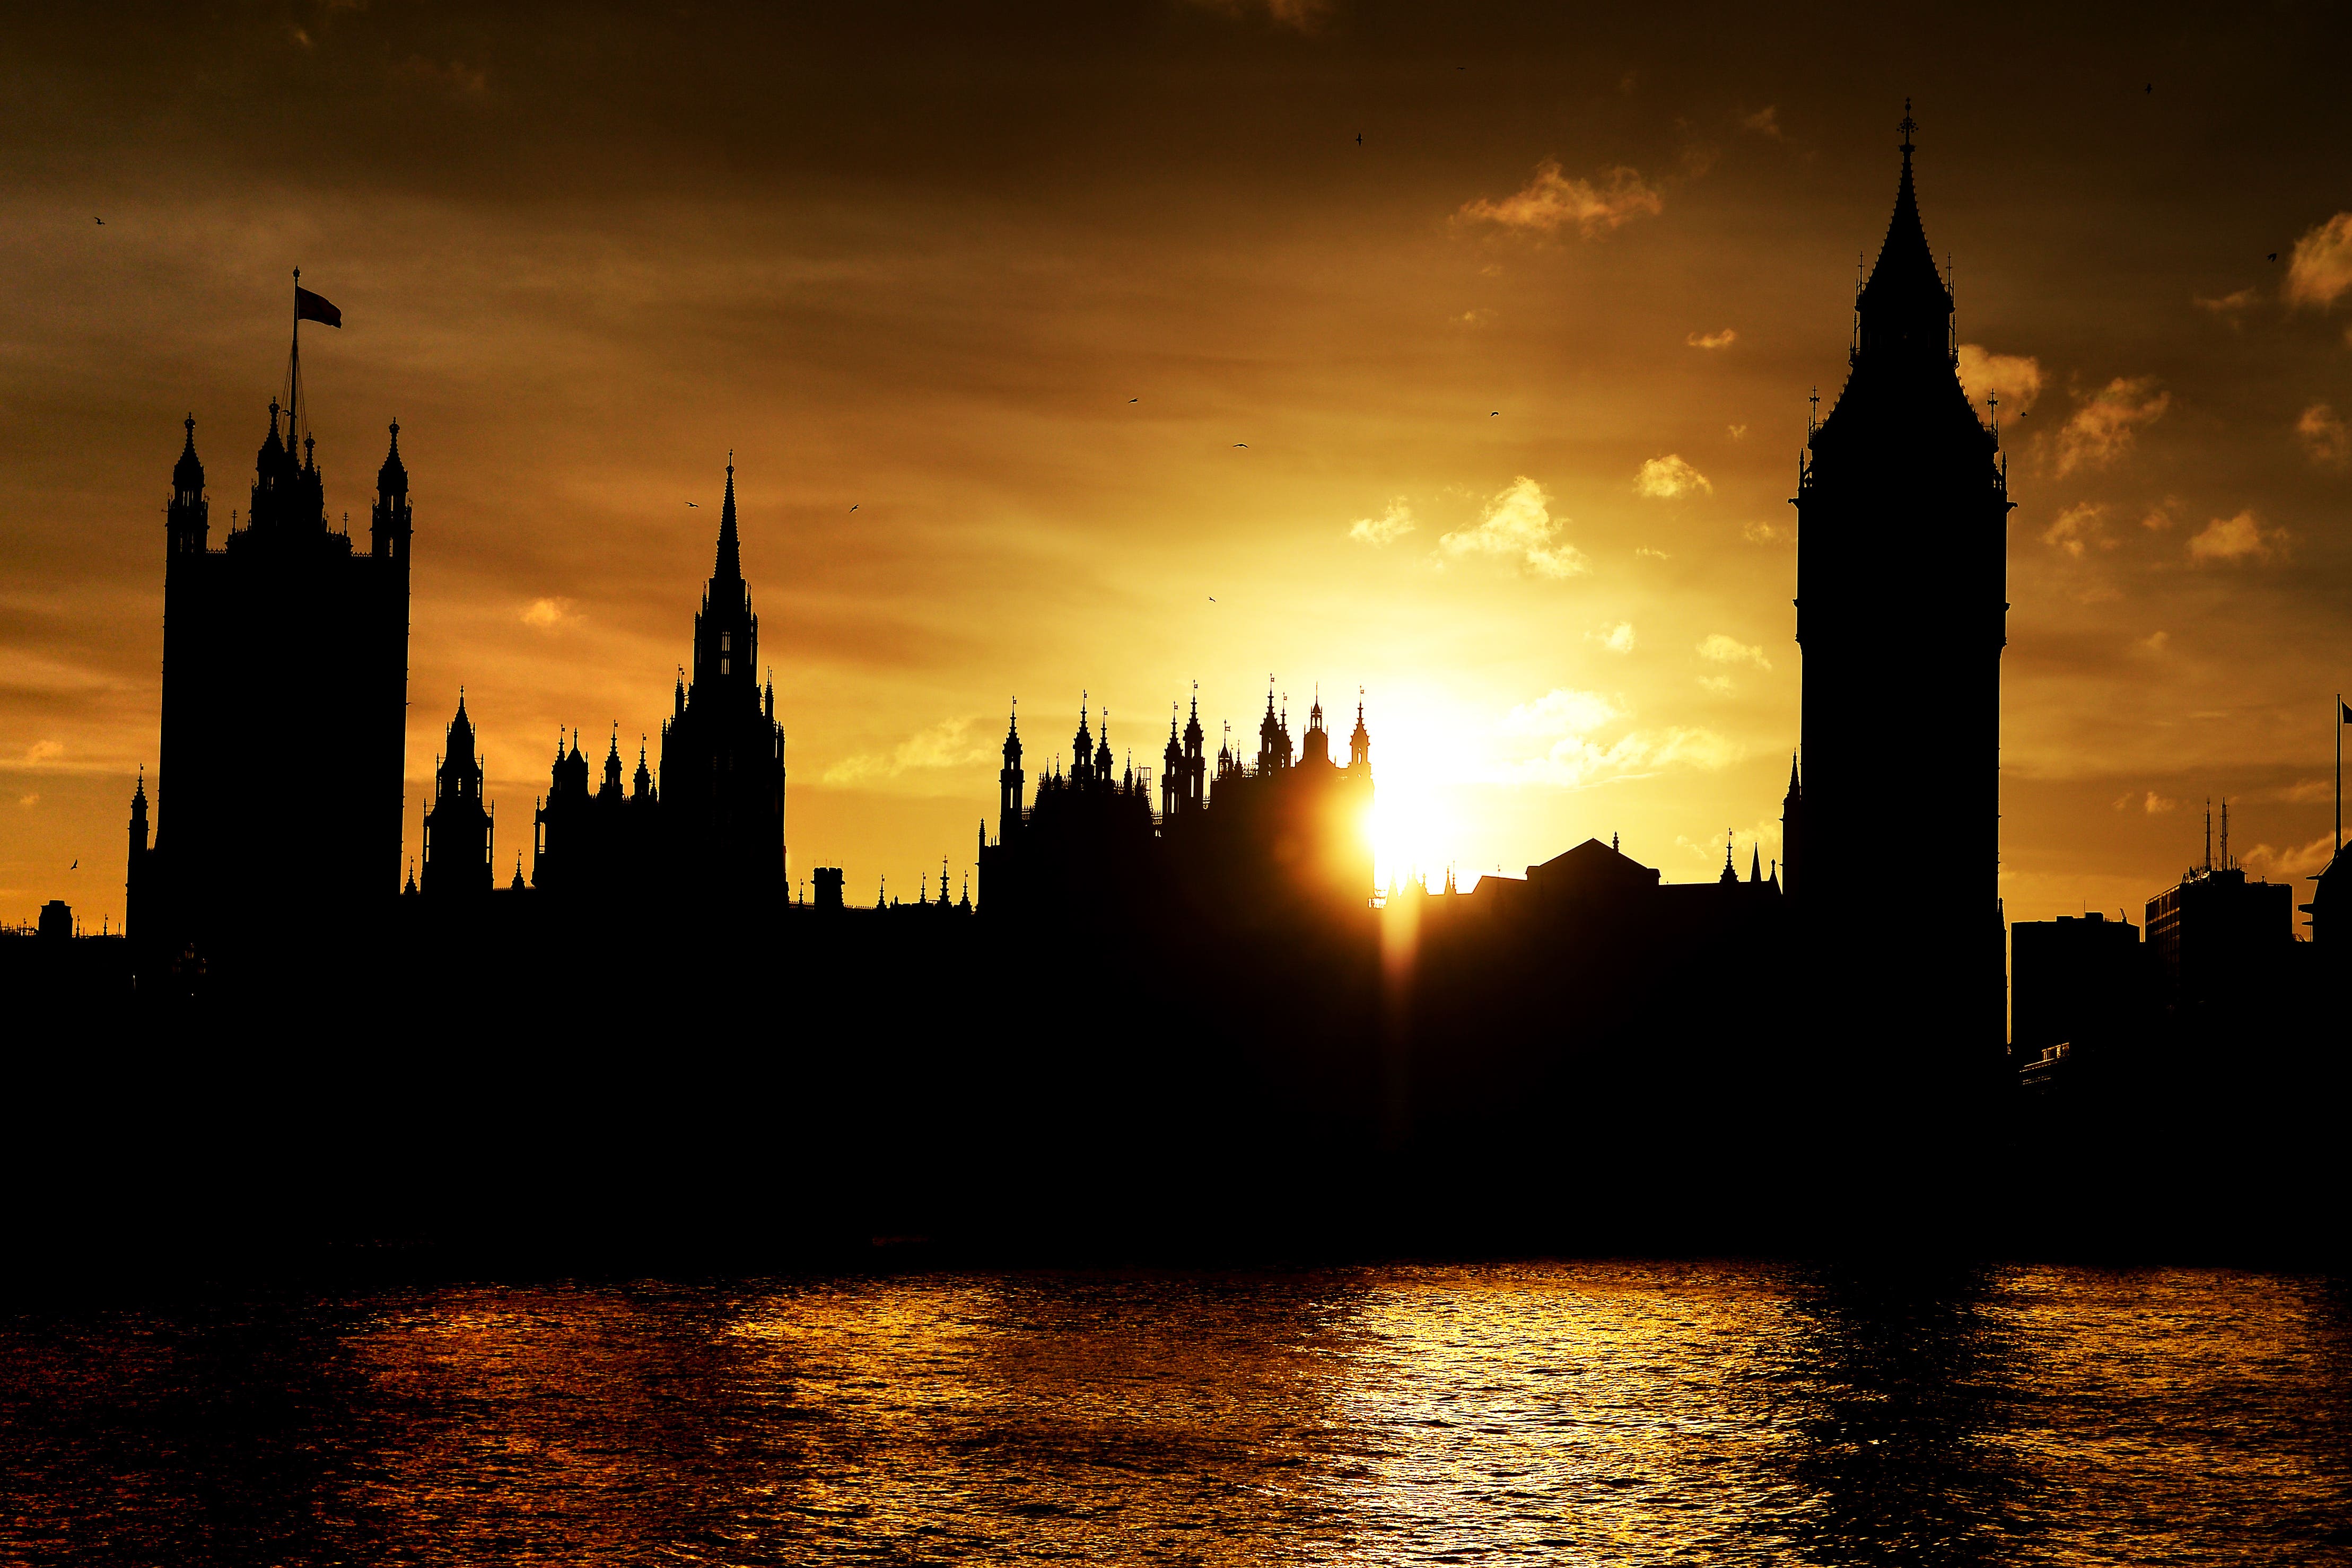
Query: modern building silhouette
x: 1901, y: 602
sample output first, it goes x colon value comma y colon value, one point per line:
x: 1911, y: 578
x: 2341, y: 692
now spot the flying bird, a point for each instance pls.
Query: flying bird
x: 98, y: 220
x: 1131, y: 399
x: 2151, y: 87
x: 1496, y: 414
x: 1360, y: 139
x: 853, y: 508
x: 693, y: 503
x: 2273, y: 255
x: 1212, y: 599
x: 76, y: 866
x: 1241, y: 444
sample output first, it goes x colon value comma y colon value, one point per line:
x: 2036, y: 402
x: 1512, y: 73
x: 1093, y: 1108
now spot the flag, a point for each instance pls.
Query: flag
x: 2347, y: 707
x: 310, y: 307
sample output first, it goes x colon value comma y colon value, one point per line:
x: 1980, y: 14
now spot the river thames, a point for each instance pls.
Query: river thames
x: 1601, y: 1413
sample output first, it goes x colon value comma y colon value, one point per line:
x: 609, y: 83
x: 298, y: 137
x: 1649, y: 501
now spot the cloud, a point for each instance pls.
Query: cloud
x: 1737, y: 431
x: 29, y: 799
x: 1765, y: 121
x: 1723, y: 340
x: 948, y: 746
x: 1653, y: 554
x: 2154, y: 641
x: 2235, y: 539
x: 2105, y: 427
x: 1718, y: 649
x: 2227, y: 306
x: 1617, y: 639
x: 457, y: 78
x: 1668, y: 477
x: 547, y: 614
x: 2321, y: 268
x: 1393, y: 524
x: 1766, y: 533
x: 2078, y: 527
x: 1518, y: 522
x: 2292, y: 863
x: 1552, y: 200
x: 2160, y: 516
x: 1477, y: 317
x: 1560, y: 711
x: 40, y: 751
x: 2155, y: 805
x: 2015, y: 379
x: 1299, y: 15
x: 2324, y: 439
x: 1723, y: 685
x: 1575, y: 758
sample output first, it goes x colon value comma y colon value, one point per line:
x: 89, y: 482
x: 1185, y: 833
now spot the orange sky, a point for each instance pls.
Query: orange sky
x: 1521, y: 377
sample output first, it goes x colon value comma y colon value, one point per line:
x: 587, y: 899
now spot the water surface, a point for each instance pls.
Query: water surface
x: 1617, y: 1413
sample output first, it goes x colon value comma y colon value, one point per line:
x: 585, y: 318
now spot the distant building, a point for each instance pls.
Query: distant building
x: 1903, y: 506
x: 2219, y: 935
x: 2072, y: 978
x: 1255, y: 840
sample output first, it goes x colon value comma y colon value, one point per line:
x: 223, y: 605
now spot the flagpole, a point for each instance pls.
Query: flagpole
x: 2340, y: 711
x: 294, y: 367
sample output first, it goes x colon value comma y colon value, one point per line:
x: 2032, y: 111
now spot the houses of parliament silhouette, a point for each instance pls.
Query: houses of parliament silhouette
x: 1172, y: 1001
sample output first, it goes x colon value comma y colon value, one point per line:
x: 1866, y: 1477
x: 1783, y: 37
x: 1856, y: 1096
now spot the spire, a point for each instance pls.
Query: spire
x: 392, y: 479
x: 1729, y: 874
x: 1756, y: 864
x: 1906, y: 307
x: 188, y: 472
x: 731, y: 550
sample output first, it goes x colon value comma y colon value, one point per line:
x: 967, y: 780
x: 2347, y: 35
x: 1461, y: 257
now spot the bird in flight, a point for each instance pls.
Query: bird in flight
x: 76, y: 864
x: 693, y: 503
x: 1360, y: 139
x: 853, y: 508
x: 1131, y: 399
x: 2273, y: 255
x: 2151, y: 87
x: 1212, y: 599
x: 1496, y: 414
x: 99, y: 221
x: 1243, y: 445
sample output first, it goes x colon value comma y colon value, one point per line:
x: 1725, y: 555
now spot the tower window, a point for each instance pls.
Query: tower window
x: 724, y: 665
x: 726, y: 642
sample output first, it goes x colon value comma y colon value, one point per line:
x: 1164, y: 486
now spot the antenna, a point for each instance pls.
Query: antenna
x: 2209, y: 834
x: 2225, y: 833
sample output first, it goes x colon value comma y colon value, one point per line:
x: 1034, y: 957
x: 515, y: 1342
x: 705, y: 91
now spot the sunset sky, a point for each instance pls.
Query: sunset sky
x: 1140, y: 369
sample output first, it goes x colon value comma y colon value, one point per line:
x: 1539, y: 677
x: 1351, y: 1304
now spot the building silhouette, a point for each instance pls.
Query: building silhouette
x: 1285, y: 835
x: 1902, y: 508
x: 713, y: 827
x: 287, y: 637
x: 458, y: 834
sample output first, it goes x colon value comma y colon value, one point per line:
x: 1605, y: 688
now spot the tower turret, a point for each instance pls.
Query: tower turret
x: 388, y: 524
x: 1360, y: 740
x: 457, y: 826
x: 1009, y: 787
x: 187, y: 519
